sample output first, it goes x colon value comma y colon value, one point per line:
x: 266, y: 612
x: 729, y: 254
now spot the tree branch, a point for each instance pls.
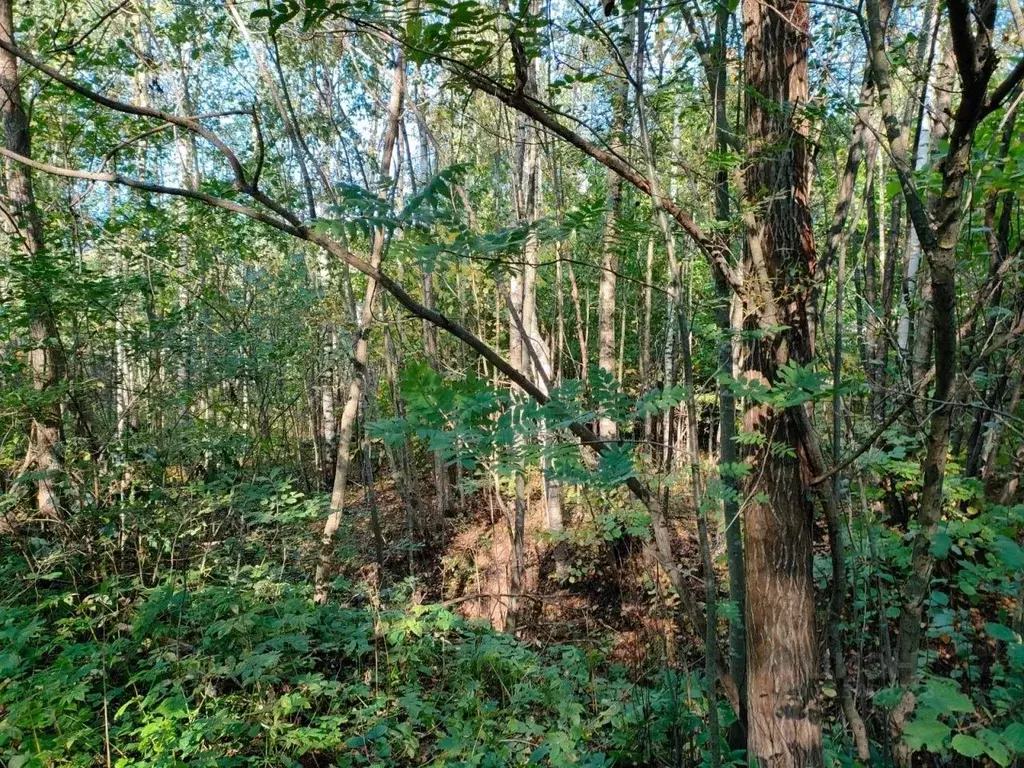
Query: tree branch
x: 716, y: 250
x: 583, y: 433
x: 1004, y: 89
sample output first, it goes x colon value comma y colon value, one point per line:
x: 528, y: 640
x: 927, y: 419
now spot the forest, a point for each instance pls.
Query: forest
x: 489, y: 383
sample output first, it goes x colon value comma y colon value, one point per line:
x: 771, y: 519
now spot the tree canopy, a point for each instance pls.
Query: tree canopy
x: 475, y: 383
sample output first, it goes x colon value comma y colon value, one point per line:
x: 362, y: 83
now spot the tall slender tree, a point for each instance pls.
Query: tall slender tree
x: 361, y: 347
x: 25, y: 228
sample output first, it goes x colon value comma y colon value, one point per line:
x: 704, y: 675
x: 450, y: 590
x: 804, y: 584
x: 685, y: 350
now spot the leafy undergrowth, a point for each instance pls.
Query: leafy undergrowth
x: 237, y: 667
x: 175, y: 627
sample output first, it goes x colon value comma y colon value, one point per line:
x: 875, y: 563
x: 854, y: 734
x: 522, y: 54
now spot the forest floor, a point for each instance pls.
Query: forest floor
x: 612, y: 594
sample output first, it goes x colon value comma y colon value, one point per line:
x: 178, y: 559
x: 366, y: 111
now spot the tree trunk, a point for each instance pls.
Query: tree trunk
x: 681, y: 316
x: 923, y: 319
x: 729, y: 321
x: 782, y: 653
x: 930, y: 90
x: 361, y: 351
x: 938, y: 231
x: 398, y: 457
x: 581, y: 324
x: 526, y: 347
x: 836, y: 534
x: 609, y: 241
x: 442, y: 485
x: 46, y: 357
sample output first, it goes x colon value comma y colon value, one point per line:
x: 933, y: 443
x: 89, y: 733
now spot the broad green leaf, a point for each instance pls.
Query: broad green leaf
x: 994, y: 747
x: 1009, y: 552
x: 968, y: 746
x: 944, y: 698
x: 1001, y: 632
x: 888, y: 698
x: 927, y: 734
x: 1013, y: 737
x: 1015, y: 653
x: 941, y: 542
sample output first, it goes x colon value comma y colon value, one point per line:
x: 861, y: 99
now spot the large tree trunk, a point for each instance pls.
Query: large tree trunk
x: 361, y: 351
x: 782, y: 673
x: 46, y: 358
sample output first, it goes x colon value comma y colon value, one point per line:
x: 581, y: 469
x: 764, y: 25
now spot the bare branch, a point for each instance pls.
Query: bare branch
x: 160, y: 189
x: 188, y: 123
x: 1004, y: 89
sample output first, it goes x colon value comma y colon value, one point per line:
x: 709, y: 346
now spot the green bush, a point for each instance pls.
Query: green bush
x: 240, y: 668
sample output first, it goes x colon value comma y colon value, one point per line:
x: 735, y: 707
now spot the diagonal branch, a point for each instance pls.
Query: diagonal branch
x: 188, y: 123
x: 583, y: 433
x: 191, y: 124
x: 715, y: 249
x: 287, y: 222
x: 160, y: 189
x: 1004, y: 89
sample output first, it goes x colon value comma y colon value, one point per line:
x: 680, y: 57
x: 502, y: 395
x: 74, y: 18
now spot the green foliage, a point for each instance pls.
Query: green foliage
x: 236, y: 666
x: 167, y: 613
x: 970, y: 704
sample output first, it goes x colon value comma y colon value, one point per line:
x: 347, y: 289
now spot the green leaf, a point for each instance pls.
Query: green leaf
x: 1015, y: 653
x: 615, y: 466
x: 941, y: 542
x: 1009, y: 552
x: 994, y: 747
x: 727, y: 609
x: 1013, y: 737
x: 944, y: 698
x: 927, y: 734
x: 888, y: 698
x: 749, y: 438
x: 1000, y: 632
x: 968, y: 746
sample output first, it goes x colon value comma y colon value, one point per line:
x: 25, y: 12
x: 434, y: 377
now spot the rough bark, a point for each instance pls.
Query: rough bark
x: 45, y: 358
x: 782, y: 673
